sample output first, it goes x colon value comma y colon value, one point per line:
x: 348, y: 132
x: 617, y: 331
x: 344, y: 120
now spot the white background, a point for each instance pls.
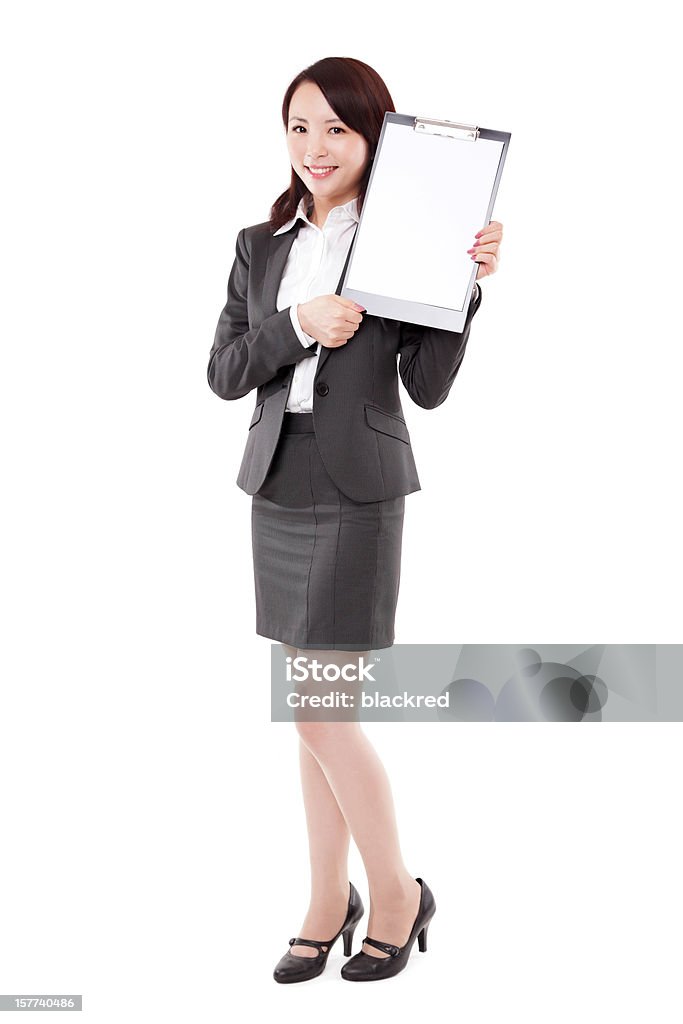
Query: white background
x: 153, y: 849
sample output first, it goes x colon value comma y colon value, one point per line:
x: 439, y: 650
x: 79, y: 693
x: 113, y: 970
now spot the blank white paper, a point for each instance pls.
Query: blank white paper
x: 428, y: 197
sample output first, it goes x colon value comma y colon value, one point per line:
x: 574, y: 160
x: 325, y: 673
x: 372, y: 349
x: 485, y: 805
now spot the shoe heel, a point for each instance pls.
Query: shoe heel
x: 422, y: 939
x: 348, y: 939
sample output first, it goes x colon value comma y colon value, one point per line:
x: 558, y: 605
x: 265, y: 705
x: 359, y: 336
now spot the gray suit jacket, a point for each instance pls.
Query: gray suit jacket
x: 360, y: 428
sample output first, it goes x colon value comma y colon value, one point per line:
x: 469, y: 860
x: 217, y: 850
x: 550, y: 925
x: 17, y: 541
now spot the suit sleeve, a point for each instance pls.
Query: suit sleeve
x: 429, y: 358
x: 242, y: 359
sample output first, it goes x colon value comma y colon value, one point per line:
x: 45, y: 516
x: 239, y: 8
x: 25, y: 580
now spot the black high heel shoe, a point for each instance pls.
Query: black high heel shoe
x: 292, y: 967
x: 365, y: 967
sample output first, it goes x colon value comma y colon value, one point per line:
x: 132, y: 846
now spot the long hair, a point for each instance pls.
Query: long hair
x: 358, y: 97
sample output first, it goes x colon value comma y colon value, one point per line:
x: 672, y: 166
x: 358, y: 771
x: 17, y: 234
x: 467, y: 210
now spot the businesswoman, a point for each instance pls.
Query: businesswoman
x: 328, y: 463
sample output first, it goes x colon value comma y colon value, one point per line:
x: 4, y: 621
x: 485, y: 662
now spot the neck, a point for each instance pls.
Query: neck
x: 318, y: 209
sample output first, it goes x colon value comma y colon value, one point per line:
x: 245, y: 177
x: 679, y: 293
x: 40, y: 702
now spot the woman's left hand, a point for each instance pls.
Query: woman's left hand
x: 486, y: 248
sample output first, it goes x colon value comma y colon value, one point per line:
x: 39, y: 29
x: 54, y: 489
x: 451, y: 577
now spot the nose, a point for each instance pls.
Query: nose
x: 316, y: 149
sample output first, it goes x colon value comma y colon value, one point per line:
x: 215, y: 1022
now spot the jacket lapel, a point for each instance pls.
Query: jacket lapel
x: 275, y: 253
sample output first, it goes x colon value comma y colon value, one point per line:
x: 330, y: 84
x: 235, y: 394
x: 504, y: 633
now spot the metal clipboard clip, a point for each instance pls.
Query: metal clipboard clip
x: 452, y: 129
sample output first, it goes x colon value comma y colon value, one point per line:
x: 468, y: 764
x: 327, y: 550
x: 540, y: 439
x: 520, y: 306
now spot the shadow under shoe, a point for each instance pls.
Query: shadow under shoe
x: 365, y: 967
x: 292, y: 967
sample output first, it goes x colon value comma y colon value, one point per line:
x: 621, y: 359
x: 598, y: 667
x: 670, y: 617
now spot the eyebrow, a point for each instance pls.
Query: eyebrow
x: 329, y: 120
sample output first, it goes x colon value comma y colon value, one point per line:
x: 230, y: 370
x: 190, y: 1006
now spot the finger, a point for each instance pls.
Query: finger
x: 349, y: 316
x: 350, y: 304
x: 486, y: 247
x: 489, y: 260
x: 493, y: 225
x: 492, y: 230
x: 488, y: 236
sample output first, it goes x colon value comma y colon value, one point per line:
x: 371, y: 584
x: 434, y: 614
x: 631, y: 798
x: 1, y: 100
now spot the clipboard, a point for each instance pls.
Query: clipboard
x: 432, y: 187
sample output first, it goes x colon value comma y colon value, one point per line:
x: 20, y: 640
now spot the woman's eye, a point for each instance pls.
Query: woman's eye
x: 334, y: 128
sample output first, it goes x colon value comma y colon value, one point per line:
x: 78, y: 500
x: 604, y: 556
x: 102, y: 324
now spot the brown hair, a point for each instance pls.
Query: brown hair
x: 358, y: 97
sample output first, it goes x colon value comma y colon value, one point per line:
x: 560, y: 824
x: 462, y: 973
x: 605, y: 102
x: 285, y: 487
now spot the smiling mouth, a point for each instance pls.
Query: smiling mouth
x: 321, y: 173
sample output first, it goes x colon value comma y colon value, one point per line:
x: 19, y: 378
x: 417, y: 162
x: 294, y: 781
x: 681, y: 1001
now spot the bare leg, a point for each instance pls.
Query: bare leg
x: 328, y: 841
x: 357, y: 780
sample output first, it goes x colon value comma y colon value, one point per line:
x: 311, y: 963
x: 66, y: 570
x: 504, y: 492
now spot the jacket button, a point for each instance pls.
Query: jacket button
x: 322, y: 389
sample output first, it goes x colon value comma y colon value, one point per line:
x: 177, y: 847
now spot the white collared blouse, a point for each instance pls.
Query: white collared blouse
x: 314, y: 266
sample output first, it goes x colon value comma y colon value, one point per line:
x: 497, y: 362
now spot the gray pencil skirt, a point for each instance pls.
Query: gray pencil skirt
x: 326, y: 568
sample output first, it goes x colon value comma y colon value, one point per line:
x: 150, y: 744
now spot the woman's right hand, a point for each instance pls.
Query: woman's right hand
x: 330, y: 319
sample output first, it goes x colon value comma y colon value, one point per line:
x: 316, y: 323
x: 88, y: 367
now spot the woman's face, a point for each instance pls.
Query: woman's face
x: 317, y: 138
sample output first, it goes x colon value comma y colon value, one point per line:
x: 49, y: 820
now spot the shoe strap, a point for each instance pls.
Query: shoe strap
x: 310, y: 942
x: 386, y: 947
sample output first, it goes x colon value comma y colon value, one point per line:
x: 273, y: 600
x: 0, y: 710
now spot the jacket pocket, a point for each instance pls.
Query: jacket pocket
x: 258, y: 412
x: 386, y: 422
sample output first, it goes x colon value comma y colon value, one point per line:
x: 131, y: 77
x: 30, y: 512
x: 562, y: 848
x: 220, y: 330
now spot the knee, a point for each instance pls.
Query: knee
x: 313, y: 734
x: 322, y: 738
x: 327, y: 727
